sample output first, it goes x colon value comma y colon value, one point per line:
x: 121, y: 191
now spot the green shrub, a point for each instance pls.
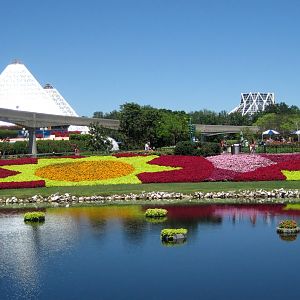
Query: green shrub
x: 155, y: 212
x: 35, y: 216
x: 8, y: 133
x: 184, y: 148
x: 79, y: 137
x: 200, y: 149
x: 169, y: 233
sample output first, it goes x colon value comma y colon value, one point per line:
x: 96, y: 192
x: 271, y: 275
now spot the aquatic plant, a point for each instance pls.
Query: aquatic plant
x: 155, y: 212
x: 167, y: 234
x: 35, y: 216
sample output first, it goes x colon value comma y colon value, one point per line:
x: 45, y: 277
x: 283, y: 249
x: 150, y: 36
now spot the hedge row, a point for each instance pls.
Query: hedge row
x: 197, y: 149
x: 47, y: 146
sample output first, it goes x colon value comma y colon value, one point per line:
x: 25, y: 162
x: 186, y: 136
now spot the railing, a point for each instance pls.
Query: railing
x: 275, y: 148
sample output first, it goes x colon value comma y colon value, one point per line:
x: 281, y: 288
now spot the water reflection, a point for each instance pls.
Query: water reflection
x: 84, y: 240
x: 288, y: 237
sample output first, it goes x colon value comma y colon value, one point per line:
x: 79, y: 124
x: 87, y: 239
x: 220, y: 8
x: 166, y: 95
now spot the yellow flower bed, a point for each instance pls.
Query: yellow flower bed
x: 93, y: 170
x: 85, y: 170
x: 291, y: 175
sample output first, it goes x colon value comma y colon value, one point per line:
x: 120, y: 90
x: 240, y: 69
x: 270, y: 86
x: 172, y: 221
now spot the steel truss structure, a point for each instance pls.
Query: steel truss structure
x: 254, y: 102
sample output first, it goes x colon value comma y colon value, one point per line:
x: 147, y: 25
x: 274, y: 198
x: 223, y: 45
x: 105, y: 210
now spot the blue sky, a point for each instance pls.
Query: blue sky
x: 176, y: 54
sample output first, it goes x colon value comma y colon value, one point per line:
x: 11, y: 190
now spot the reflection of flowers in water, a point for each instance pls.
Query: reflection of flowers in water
x: 288, y: 237
x: 156, y: 220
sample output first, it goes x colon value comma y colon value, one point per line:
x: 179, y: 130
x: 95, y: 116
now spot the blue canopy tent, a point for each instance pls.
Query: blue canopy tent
x: 268, y: 132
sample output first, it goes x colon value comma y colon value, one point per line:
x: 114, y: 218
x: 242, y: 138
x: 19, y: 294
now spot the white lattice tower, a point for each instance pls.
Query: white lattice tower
x: 254, y: 102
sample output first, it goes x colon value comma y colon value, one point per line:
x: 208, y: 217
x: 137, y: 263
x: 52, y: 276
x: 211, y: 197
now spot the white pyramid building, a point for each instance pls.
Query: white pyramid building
x: 19, y: 90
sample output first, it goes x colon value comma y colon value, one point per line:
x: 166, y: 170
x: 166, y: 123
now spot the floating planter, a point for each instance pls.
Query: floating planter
x: 288, y: 227
x: 173, y: 235
x: 156, y: 213
x: 35, y: 216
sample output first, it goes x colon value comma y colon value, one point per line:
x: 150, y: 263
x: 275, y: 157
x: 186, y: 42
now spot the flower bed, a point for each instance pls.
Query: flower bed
x: 22, y: 184
x: 6, y: 173
x: 240, y: 163
x: 18, y: 161
x: 134, y: 168
x: 129, y: 154
x: 261, y: 174
x: 192, y: 169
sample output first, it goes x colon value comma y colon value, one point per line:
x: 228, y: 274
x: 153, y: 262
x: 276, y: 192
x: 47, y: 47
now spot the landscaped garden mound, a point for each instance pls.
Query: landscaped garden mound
x: 170, y: 235
x: 137, y: 169
x: 288, y: 227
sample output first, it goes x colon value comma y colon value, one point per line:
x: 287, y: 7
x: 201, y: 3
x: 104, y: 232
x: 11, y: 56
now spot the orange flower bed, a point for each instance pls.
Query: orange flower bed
x: 85, y: 171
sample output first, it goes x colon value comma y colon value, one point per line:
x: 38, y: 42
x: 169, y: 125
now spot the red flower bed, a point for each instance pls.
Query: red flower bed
x: 68, y: 156
x: 222, y: 175
x: 261, y: 174
x: 18, y: 161
x: 293, y: 165
x: 6, y: 173
x: 194, y: 169
x: 22, y: 184
x: 130, y: 154
x: 281, y: 157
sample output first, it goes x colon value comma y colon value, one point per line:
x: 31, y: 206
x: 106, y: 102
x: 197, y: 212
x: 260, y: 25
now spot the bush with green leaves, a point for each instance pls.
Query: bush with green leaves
x: 197, y: 149
x: 168, y: 233
x: 155, y: 213
x: 35, y: 216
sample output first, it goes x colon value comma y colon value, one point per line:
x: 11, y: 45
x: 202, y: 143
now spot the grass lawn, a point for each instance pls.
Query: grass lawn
x: 185, y: 188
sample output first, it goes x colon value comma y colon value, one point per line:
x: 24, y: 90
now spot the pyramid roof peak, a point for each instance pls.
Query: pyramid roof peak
x: 21, y: 91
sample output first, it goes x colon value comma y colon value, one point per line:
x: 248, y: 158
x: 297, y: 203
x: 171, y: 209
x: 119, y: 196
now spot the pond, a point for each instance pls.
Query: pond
x: 112, y: 252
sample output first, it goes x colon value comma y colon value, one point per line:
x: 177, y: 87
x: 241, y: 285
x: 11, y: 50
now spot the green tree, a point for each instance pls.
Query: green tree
x: 172, y: 128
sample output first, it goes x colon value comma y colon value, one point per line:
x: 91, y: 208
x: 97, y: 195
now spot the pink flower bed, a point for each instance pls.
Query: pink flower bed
x: 239, y: 163
x: 194, y: 169
x: 18, y: 161
x: 22, y: 184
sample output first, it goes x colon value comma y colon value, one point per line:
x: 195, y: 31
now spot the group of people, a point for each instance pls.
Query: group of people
x: 252, y: 146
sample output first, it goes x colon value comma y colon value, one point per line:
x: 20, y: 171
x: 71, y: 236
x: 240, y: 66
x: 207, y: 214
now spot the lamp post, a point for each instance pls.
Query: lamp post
x: 192, y: 129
